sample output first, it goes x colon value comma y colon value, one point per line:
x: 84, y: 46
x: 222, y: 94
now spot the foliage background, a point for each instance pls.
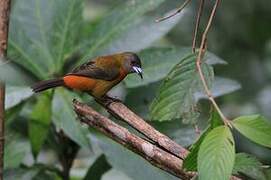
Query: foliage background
x: 240, y: 36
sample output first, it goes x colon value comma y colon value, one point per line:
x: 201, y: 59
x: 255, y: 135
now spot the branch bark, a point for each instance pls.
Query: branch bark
x: 122, y: 112
x: 148, y: 151
x: 158, y: 156
x: 4, y: 21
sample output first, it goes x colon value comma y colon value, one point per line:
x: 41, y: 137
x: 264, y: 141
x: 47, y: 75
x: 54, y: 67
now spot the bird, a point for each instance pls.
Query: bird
x: 97, y: 76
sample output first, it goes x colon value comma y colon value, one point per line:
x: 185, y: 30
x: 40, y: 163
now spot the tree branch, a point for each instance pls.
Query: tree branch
x: 177, y: 11
x: 2, y: 125
x: 122, y: 112
x: 4, y: 20
x: 148, y: 151
x: 158, y: 156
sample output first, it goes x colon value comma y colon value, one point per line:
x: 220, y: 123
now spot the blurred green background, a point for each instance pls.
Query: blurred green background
x: 48, y: 38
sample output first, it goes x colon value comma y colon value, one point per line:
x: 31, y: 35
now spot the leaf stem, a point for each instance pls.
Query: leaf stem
x: 198, y: 63
x: 177, y: 11
x: 199, y: 13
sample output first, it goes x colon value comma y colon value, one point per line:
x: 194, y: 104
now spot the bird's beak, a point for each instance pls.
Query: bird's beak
x: 138, y: 70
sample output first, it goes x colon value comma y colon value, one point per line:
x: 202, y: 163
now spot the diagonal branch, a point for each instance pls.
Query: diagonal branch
x: 122, y: 112
x: 159, y: 156
x: 148, y: 151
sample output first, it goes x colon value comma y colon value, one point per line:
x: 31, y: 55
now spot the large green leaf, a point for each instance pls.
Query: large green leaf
x: 178, y: 131
x: 39, y: 123
x: 175, y: 97
x: 216, y: 155
x: 114, y: 174
x: 35, y: 172
x: 16, y: 94
x: 131, y: 164
x: 16, y: 148
x: 254, y: 127
x: 14, y: 75
x: 64, y: 117
x: 190, y: 162
x: 157, y: 63
x: 139, y: 99
x: 47, y: 31
x: 98, y: 168
x: 67, y: 25
x: 141, y: 34
x: 115, y: 24
x: 248, y: 165
x: 215, y: 119
x: 20, y: 173
x: 220, y: 86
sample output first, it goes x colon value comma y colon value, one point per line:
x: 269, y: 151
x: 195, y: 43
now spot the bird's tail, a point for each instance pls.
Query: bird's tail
x: 47, y: 84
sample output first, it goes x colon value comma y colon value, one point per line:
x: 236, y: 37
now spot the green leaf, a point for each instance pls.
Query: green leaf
x: 213, y: 59
x: 39, y: 123
x: 47, y: 33
x: 157, y: 63
x: 141, y: 34
x: 14, y: 75
x: 115, y: 24
x: 64, y: 117
x: 190, y: 162
x: 248, y: 165
x: 16, y: 94
x: 66, y: 27
x: 35, y: 172
x: 140, y: 103
x: 215, y: 119
x: 126, y: 161
x: 216, y: 155
x: 220, y: 86
x: 16, y: 148
x: 20, y: 173
x: 254, y: 127
x: 116, y: 175
x: 175, y: 97
x: 11, y: 114
x: 98, y: 168
x: 178, y: 131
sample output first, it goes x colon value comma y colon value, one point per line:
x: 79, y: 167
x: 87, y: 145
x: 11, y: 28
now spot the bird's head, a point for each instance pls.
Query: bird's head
x: 131, y: 63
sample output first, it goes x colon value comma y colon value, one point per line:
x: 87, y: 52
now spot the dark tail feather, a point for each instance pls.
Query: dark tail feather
x: 47, y: 84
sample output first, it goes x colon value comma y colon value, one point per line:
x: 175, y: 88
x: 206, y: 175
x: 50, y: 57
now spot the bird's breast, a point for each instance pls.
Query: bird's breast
x: 102, y: 86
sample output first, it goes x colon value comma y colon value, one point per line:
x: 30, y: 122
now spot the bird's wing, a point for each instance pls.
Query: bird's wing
x: 90, y: 70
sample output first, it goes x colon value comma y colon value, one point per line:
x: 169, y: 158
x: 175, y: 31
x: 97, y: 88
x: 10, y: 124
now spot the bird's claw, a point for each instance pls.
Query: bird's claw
x: 107, y: 100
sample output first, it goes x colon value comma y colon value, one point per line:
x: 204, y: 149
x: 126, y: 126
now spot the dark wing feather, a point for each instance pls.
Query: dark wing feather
x: 90, y: 70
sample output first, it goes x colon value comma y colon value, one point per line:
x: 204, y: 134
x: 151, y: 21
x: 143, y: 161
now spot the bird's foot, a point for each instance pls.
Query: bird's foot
x: 107, y: 100
x: 113, y: 99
